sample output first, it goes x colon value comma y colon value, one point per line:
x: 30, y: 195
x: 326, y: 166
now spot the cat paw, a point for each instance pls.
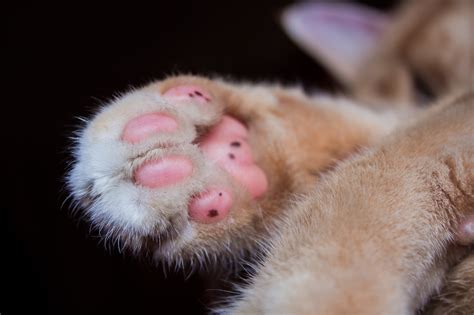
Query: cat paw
x: 166, y: 168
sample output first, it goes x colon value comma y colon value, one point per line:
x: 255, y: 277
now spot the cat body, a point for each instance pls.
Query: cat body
x: 360, y: 206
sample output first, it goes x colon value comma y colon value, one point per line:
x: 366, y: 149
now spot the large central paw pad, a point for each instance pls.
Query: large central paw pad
x: 226, y: 145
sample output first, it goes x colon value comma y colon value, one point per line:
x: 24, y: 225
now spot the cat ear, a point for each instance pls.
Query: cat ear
x: 339, y: 35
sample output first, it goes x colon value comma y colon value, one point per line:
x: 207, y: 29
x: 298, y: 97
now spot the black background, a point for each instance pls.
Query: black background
x: 64, y: 60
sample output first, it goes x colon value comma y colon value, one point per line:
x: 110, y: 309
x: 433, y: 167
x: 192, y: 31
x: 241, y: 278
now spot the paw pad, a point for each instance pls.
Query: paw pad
x: 163, y: 172
x: 188, y: 92
x: 211, y: 206
x: 227, y: 145
x: 146, y: 125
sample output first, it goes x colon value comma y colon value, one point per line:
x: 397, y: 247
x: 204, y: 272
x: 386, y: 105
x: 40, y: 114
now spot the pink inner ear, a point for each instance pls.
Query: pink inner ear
x: 340, y: 35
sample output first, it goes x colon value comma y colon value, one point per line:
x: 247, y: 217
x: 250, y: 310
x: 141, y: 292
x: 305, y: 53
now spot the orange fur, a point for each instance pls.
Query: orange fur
x: 430, y: 40
x: 377, y: 235
x: 363, y: 203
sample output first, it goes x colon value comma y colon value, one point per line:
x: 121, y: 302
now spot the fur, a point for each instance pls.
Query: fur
x: 363, y: 202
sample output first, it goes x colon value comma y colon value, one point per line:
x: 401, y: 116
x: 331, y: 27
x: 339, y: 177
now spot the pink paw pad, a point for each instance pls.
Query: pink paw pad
x: 188, y: 92
x: 163, y: 172
x: 211, y: 206
x: 146, y: 125
x: 227, y: 145
x: 465, y: 234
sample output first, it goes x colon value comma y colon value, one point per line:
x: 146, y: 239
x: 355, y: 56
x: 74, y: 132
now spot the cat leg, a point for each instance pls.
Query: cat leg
x: 381, y: 233
x: 193, y: 170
